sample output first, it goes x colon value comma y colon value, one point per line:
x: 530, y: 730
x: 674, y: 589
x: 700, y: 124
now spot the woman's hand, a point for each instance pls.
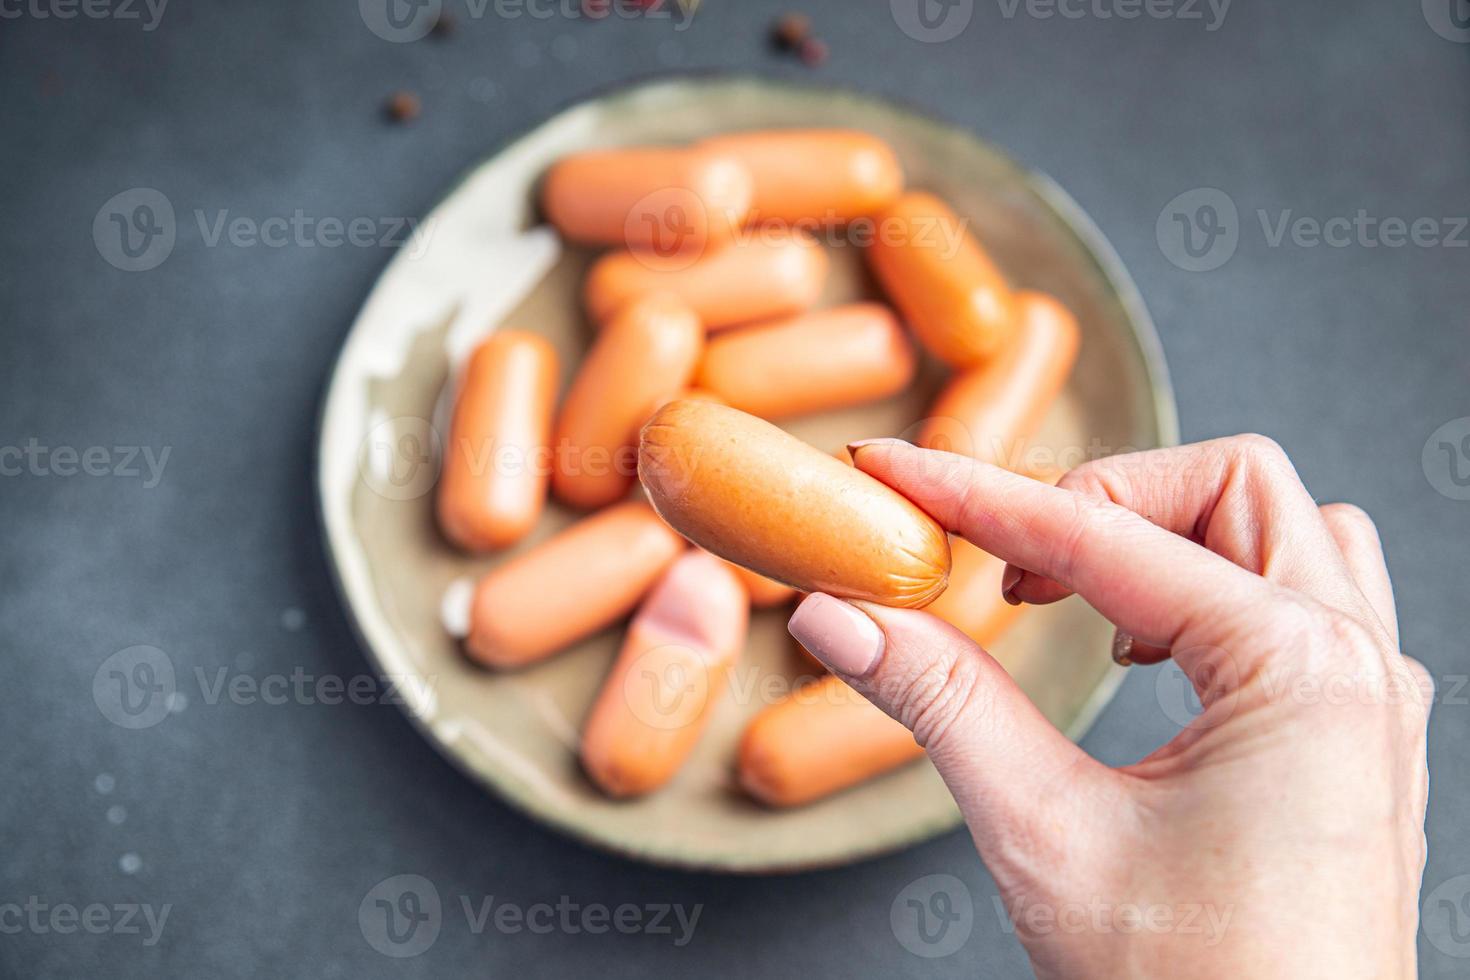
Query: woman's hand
x: 1278, y: 835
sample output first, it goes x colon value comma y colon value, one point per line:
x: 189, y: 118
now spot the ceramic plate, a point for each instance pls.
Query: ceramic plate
x: 480, y: 260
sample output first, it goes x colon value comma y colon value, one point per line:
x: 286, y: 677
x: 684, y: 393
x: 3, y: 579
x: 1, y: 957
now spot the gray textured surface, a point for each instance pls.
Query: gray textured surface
x: 264, y: 826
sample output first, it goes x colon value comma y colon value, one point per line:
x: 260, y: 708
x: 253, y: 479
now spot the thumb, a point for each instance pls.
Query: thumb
x: 1016, y: 778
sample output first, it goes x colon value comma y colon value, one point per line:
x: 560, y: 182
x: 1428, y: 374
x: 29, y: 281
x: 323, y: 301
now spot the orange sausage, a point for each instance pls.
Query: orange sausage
x: 941, y: 280
x: 756, y: 278
x: 496, y: 462
x: 752, y: 494
x: 973, y: 604
x: 700, y: 395
x: 804, y: 748
x: 986, y: 411
x: 827, y: 175
x: 643, y: 358
x: 674, y: 665
x: 569, y: 586
x: 764, y: 593
x: 665, y: 199
x: 821, y: 738
x: 1045, y: 472
x: 810, y: 363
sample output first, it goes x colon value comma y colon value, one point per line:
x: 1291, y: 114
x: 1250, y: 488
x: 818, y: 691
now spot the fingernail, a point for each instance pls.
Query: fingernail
x: 1122, y: 648
x: 837, y: 634
x: 853, y: 447
x: 1008, y: 582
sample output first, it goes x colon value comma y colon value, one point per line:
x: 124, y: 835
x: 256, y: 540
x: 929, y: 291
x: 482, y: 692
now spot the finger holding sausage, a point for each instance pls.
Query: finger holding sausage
x: 948, y: 289
x: 814, y: 362
x: 745, y: 490
x: 974, y: 601
x: 642, y: 359
x: 673, y: 666
x: 754, y: 278
x: 496, y: 463
x: 987, y: 411
x: 569, y: 586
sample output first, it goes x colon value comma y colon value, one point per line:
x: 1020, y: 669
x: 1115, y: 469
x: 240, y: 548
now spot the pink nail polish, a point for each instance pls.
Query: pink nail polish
x: 838, y: 634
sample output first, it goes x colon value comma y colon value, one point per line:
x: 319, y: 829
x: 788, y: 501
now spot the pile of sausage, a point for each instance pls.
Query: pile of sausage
x: 704, y: 332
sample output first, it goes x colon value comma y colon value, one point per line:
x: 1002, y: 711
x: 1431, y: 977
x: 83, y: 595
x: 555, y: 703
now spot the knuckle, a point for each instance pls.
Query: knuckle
x: 1421, y: 676
x: 1356, y: 647
x: 933, y: 699
x: 1423, y: 686
x: 1079, y: 527
x: 1327, y: 662
x: 1350, y: 670
x: 1262, y: 462
x: 1351, y: 516
x: 1094, y: 478
x: 1258, y: 448
x: 1303, y: 630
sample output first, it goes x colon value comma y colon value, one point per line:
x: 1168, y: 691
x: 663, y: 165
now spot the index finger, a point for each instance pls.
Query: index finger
x: 1163, y: 589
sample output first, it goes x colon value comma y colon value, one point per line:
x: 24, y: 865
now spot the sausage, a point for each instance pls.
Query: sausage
x: 973, y: 603
x: 829, y: 738
x: 819, y: 739
x: 569, y: 586
x: 643, y: 358
x: 496, y: 463
x: 810, y: 363
x: 674, y: 664
x: 696, y: 394
x: 755, y: 278
x: 764, y: 593
x: 986, y: 411
x: 825, y: 175
x: 941, y: 280
x: 666, y: 199
x: 754, y: 495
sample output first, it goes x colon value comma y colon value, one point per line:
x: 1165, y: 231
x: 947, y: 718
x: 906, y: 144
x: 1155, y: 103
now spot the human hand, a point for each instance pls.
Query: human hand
x: 1288, y: 816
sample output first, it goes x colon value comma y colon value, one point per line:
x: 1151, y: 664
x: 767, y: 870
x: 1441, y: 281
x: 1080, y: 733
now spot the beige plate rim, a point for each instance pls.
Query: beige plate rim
x: 1109, y: 267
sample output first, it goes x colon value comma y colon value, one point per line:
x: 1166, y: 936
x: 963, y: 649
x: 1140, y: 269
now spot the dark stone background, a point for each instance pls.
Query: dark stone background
x: 265, y: 826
